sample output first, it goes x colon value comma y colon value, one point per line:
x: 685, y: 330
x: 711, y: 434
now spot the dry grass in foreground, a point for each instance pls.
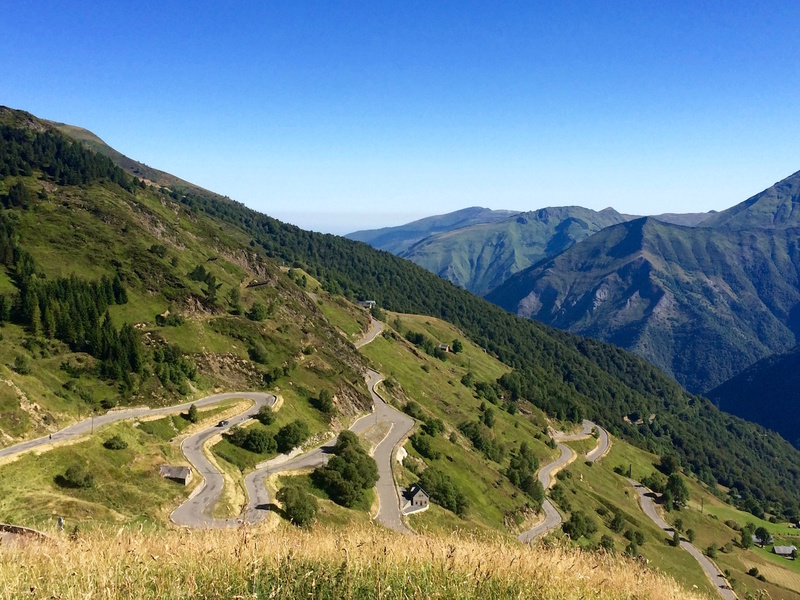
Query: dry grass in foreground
x: 363, y: 562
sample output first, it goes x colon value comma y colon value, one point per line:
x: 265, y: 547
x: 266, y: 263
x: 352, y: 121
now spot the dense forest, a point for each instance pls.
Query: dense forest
x: 568, y: 376
x: 64, y: 161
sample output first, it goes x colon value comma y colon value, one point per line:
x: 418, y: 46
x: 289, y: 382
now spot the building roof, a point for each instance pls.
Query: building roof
x: 783, y: 549
x: 174, y: 472
x: 414, y: 490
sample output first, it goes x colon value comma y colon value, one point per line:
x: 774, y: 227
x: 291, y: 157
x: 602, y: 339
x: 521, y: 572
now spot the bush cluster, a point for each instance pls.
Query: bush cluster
x: 349, y: 473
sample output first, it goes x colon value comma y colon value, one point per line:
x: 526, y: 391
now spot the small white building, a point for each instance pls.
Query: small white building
x: 368, y: 304
x: 416, y: 500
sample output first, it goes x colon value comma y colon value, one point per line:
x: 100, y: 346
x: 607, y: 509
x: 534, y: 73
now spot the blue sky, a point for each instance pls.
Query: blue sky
x: 338, y: 116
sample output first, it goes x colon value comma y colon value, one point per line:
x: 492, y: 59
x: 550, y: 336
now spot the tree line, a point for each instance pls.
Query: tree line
x: 65, y: 161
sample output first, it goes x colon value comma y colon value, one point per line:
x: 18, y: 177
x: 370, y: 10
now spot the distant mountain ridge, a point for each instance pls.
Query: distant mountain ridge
x: 777, y: 207
x: 478, y: 249
x: 480, y: 257
x: 398, y: 239
x: 701, y: 303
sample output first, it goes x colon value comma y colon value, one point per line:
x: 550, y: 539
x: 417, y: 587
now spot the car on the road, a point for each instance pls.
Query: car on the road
x: 222, y: 423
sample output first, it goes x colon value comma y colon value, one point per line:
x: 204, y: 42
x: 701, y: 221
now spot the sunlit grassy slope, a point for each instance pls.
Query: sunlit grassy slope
x: 590, y: 488
x: 127, y: 487
x: 358, y: 563
x: 437, y: 387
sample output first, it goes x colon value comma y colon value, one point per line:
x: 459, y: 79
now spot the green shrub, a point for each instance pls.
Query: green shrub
x: 579, y: 525
x: 324, y: 402
x: 265, y: 415
x: 22, y: 365
x: 292, y: 435
x: 443, y: 491
x: 422, y: 444
x: 349, y: 473
x: 76, y: 477
x: 258, y: 312
x: 258, y: 354
x: 259, y: 441
x: 299, y: 506
x: 115, y: 443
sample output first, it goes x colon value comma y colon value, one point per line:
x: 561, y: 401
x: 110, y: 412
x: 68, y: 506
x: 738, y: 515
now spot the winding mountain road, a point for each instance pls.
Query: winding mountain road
x: 196, y: 512
x: 552, y: 518
x: 714, y: 574
x: 81, y: 428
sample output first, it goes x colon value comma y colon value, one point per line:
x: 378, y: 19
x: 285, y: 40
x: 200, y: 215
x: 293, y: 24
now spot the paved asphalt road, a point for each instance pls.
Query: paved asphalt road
x: 388, y: 495
x: 196, y: 511
x: 375, y: 328
x: 84, y: 427
x: 552, y: 518
x: 714, y: 574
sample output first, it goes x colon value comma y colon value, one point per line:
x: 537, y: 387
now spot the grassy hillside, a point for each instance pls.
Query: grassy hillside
x: 126, y: 486
x: 185, y: 284
x: 602, y: 491
x: 437, y: 385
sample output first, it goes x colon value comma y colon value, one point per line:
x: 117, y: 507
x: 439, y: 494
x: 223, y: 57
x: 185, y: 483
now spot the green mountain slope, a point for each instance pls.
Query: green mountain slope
x: 398, y: 239
x: 564, y: 375
x: 480, y: 257
x: 777, y: 207
x: 701, y: 304
x: 112, y: 294
x: 773, y: 383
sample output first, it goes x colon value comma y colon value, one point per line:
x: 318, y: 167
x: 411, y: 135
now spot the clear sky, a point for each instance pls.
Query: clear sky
x: 340, y: 115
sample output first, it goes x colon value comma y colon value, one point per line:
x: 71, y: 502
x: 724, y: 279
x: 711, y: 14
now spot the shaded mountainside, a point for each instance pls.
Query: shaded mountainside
x: 567, y: 376
x: 480, y: 257
x: 774, y: 383
x: 398, y: 239
x: 701, y: 304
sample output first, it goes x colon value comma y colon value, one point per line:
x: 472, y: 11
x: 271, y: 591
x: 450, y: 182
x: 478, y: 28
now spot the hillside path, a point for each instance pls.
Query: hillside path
x: 714, y: 574
x: 85, y: 427
x: 552, y: 518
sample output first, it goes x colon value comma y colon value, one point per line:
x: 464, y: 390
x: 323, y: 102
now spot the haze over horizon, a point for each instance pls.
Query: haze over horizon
x: 351, y: 116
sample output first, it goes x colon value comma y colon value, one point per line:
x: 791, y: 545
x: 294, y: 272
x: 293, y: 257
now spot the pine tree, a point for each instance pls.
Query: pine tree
x: 120, y: 295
